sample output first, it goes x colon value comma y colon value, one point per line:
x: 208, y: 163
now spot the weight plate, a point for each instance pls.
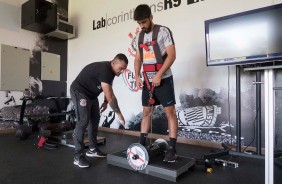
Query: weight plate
x: 137, y: 156
x: 162, y: 141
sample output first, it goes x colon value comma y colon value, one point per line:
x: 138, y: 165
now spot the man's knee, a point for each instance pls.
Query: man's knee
x: 170, y: 112
x: 147, y: 112
x: 81, y: 124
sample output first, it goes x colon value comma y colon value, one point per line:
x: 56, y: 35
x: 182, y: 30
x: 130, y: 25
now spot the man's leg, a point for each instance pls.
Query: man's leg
x: 93, y: 124
x: 92, y: 128
x: 172, y: 121
x: 146, y: 123
x: 173, y: 129
x: 81, y: 110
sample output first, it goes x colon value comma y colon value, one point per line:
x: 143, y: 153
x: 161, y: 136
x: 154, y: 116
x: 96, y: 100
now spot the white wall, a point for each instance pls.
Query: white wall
x: 12, y: 34
x: 186, y: 23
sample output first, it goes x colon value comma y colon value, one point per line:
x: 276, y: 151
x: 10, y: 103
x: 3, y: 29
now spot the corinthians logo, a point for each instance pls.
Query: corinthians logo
x: 128, y: 76
x: 133, y: 46
x: 198, y: 117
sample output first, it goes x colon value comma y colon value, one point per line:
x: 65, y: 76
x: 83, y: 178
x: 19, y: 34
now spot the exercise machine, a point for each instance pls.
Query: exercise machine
x: 211, y: 158
x: 66, y: 139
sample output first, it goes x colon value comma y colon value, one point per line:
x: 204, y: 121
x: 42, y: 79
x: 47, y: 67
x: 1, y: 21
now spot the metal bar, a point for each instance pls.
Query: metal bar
x: 216, y: 155
x: 235, y: 153
x: 258, y: 112
x: 269, y: 126
x: 52, y: 114
x: 258, y: 82
x: 22, y: 112
x: 277, y: 88
x: 238, y: 109
x: 263, y: 68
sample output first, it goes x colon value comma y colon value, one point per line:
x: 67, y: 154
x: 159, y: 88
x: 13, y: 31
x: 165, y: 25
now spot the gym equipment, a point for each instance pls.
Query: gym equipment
x: 278, y: 158
x: 138, y: 156
x: 57, y: 128
x: 149, y: 160
x: 226, y: 163
x: 23, y: 132
x: 45, y: 143
x: 66, y: 139
x: 49, y: 140
x: 212, y: 157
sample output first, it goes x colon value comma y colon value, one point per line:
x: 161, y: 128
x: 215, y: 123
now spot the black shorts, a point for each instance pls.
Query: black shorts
x: 163, y: 94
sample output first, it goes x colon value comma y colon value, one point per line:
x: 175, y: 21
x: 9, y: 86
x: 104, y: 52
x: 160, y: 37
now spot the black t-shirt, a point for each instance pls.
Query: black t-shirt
x: 89, y: 79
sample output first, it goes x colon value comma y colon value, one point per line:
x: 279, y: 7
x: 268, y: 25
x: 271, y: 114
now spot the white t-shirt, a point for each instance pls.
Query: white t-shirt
x: 164, y: 39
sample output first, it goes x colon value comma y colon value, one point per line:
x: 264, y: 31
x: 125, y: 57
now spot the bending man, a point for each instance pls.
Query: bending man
x: 94, y: 79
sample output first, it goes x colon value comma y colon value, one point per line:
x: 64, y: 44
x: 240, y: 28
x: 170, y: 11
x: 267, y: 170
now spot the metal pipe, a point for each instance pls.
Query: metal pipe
x: 258, y: 112
x: 238, y: 109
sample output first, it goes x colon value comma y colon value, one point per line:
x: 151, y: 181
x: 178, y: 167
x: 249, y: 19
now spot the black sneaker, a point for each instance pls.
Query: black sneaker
x: 81, y: 162
x: 96, y: 153
x: 170, y: 155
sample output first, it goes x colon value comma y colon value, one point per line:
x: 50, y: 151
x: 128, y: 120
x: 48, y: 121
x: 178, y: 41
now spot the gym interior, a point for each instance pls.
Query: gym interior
x: 227, y: 81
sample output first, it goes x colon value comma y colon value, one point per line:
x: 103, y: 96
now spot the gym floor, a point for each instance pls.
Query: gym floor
x: 23, y: 162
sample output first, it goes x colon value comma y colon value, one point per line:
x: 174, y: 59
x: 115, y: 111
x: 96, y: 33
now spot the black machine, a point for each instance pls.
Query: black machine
x: 213, y: 158
x: 50, y: 135
x: 149, y: 160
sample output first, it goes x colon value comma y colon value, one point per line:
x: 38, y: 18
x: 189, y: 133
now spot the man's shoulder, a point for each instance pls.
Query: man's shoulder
x: 99, y: 63
x: 164, y: 29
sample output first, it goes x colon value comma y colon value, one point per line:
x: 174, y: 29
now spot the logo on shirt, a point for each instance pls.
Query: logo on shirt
x: 99, y: 87
x: 150, y: 55
x: 82, y: 102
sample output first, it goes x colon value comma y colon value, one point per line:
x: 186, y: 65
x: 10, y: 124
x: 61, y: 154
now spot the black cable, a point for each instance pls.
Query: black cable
x: 254, y: 129
x: 254, y: 133
x: 229, y: 116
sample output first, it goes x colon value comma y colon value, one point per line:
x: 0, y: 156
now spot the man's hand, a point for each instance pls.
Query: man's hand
x: 139, y: 83
x: 156, y: 81
x: 121, y: 119
x: 103, y: 107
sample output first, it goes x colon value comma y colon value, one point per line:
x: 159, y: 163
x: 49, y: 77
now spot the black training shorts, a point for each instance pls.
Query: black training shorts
x: 163, y: 94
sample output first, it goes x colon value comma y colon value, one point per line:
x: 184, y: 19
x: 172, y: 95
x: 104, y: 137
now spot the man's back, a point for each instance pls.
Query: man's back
x: 89, y: 79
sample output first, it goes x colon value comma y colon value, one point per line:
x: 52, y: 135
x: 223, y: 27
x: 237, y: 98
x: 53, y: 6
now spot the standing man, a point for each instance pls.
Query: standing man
x: 95, y: 78
x: 156, y: 52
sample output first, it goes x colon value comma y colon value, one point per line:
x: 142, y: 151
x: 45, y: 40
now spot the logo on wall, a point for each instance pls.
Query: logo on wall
x: 129, y: 80
x: 133, y: 46
x: 128, y: 76
x: 198, y: 117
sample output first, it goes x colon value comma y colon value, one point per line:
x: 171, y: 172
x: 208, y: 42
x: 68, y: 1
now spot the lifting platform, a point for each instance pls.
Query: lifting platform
x: 139, y: 161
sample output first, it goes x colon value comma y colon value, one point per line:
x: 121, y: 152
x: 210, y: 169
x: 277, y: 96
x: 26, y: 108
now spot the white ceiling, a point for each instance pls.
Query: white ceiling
x: 14, y: 2
x: 20, y: 2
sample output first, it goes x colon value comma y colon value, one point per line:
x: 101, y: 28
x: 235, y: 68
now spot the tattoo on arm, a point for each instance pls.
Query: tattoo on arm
x: 105, y: 100
x: 114, y: 105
